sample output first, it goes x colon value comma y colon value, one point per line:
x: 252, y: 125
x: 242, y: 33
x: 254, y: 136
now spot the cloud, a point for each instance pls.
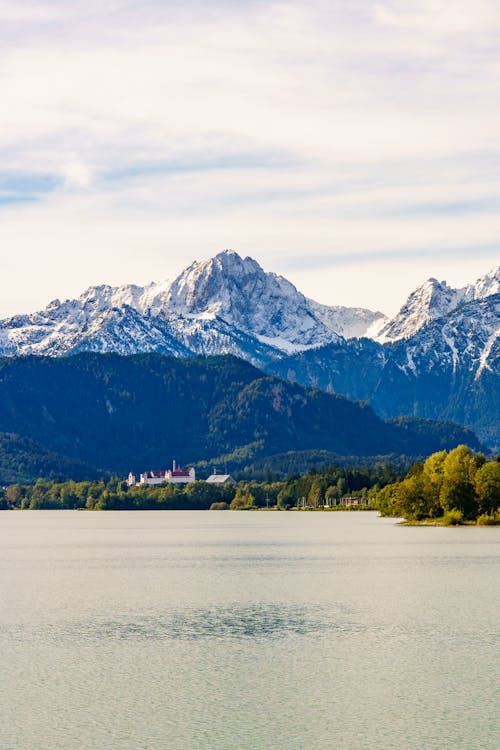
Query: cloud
x: 438, y: 17
x: 13, y: 11
x: 457, y: 252
x: 77, y: 174
x: 159, y: 131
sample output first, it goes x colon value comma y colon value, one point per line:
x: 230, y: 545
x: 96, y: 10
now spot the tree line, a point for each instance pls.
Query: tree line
x: 449, y: 487
x: 452, y: 487
x: 314, y: 489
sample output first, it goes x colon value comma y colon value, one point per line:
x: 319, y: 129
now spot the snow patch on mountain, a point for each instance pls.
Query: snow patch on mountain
x: 454, y: 353
x: 484, y: 363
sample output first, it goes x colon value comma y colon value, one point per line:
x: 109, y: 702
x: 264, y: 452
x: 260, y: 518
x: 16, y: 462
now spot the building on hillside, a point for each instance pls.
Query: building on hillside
x: 175, y: 475
x: 220, y: 479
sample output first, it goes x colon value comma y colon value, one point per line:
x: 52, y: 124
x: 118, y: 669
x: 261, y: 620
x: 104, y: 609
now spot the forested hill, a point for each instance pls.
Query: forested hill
x: 139, y: 412
x: 22, y: 460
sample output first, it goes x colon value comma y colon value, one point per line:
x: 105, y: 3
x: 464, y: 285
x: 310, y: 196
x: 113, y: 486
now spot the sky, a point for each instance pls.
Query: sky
x: 352, y: 146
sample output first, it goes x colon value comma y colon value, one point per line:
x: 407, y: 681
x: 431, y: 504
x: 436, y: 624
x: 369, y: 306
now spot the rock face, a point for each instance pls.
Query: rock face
x: 438, y: 357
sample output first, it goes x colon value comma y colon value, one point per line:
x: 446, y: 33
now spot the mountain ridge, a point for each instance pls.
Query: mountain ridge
x: 437, y: 358
x: 222, y: 295
x: 447, y: 370
x: 225, y: 290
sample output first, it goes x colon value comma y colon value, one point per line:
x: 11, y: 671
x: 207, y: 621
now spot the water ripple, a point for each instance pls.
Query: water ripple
x: 216, y: 622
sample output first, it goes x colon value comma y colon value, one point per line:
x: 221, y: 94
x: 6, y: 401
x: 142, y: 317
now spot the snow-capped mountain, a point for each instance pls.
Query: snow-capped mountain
x: 227, y: 304
x: 432, y: 301
x: 438, y: 357
x: 239, y: 292
x: 464, y: 340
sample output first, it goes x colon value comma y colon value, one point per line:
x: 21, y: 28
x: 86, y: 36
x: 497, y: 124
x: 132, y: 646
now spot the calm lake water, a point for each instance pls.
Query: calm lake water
x: 246, y: 631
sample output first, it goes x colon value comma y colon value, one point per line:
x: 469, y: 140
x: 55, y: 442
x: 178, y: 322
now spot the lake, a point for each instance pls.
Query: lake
x: 246, y: 631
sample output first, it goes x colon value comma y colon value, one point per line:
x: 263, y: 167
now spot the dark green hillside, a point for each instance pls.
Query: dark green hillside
x: 440, y: 433
x: 139, y: 412
x: 22, y: 460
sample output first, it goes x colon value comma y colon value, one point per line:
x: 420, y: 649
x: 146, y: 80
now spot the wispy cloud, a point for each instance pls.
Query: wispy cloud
x: 335, y: 129
x: 321, y: 262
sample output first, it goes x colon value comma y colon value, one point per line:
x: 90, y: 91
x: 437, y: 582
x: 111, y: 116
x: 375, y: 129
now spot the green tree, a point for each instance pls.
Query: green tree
x: 412, y: 498
x: 332, y: 495
x: 487, y: 481
x: 457, y: 489
x: 343, y: 486
x: 286, y: 498
x: 40, y: 497
x: 316, y: 494
x: 14, y: 494
x: 69, y: 495
x: 243, y: 502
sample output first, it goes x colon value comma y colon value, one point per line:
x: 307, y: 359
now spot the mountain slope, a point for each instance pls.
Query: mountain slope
x: 142, y: 411
x: 447, y: 370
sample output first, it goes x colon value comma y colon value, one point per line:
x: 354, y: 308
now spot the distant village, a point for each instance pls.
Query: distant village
x: 176, y: 475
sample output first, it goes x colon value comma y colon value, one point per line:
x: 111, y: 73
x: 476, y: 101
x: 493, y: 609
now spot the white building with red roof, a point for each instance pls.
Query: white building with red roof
x: 175, y: 475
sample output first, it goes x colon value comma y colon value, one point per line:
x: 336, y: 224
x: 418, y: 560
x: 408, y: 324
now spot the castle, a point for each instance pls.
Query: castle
x: 175, y: 475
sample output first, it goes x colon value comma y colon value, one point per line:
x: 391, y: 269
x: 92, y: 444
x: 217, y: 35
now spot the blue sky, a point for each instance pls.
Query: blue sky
x: 351, y: 145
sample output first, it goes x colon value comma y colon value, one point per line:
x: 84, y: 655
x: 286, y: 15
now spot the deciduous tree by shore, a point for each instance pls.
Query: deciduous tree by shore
x: 451, y: 487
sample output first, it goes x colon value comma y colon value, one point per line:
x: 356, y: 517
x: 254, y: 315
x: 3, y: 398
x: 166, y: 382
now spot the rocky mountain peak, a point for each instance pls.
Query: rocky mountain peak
x: 215, y: 285
x: 433, y: 300
x: 239, y: 291
x: 485, y: 286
